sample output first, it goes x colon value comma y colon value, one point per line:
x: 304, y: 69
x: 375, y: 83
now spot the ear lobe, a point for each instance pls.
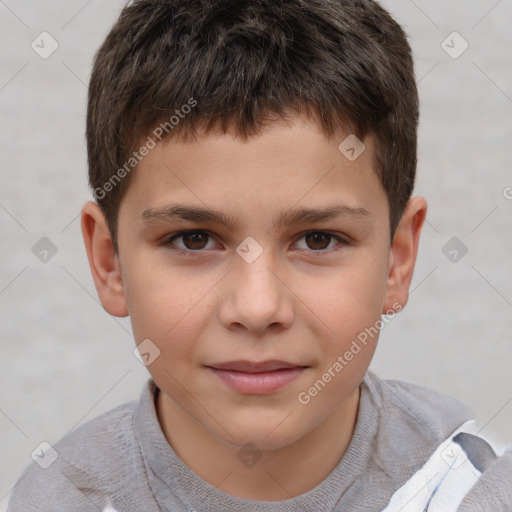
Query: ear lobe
x: 404, y: 250
x: 103, y: 260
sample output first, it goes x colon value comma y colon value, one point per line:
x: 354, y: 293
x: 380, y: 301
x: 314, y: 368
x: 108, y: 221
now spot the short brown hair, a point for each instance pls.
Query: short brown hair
x: 236, y: 63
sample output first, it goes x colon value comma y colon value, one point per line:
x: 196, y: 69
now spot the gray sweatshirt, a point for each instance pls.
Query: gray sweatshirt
x: 122, y: 461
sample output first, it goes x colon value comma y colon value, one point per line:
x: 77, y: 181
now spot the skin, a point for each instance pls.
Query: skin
x: 301, y: 300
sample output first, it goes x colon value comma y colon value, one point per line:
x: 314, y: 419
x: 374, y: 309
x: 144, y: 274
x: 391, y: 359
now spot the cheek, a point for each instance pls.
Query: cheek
x: 164, y: 304
x: 350, y: 306
x: 349, y: 299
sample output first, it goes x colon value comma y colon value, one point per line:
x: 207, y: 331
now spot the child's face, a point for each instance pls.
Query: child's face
x: 303, y: 300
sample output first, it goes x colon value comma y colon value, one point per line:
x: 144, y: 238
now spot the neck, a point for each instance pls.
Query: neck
x: 279, y: 474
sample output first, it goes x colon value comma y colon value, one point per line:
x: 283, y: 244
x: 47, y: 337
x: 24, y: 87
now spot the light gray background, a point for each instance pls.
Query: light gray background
x: 64, y: 360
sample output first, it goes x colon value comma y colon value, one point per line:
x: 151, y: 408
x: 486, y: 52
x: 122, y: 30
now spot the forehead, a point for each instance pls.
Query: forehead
x: 291, y: 162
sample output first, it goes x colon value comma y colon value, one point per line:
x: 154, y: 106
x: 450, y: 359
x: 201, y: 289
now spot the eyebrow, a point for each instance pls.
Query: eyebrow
x: 176, y: 212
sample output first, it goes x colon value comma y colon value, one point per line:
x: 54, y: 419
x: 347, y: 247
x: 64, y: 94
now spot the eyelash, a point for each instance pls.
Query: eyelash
x: 193, y: 253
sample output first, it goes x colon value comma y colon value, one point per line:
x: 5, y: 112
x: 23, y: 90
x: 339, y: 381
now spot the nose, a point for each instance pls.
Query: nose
x: 257, y: 296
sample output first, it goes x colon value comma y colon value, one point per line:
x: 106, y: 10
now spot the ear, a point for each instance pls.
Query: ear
x: 103, y: 260
x: 402, y: 258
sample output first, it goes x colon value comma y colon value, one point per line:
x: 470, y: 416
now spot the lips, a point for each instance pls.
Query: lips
x: 255, y: 367
x: 256, y: 378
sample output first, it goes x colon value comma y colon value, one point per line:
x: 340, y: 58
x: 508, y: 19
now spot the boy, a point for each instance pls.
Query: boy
x: 260, y: 129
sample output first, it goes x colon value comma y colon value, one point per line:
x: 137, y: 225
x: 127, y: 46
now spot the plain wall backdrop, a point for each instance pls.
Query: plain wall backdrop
x: 64, y: 360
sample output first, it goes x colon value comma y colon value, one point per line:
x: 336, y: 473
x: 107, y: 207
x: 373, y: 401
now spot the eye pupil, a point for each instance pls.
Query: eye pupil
x: 191, y: 239
x: 317, y: 238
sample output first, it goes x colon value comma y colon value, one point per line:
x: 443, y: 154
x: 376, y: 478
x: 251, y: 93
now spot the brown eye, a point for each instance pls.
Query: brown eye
x: 318, y: 240
x: 191, y: 241
x: 195, y: 241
